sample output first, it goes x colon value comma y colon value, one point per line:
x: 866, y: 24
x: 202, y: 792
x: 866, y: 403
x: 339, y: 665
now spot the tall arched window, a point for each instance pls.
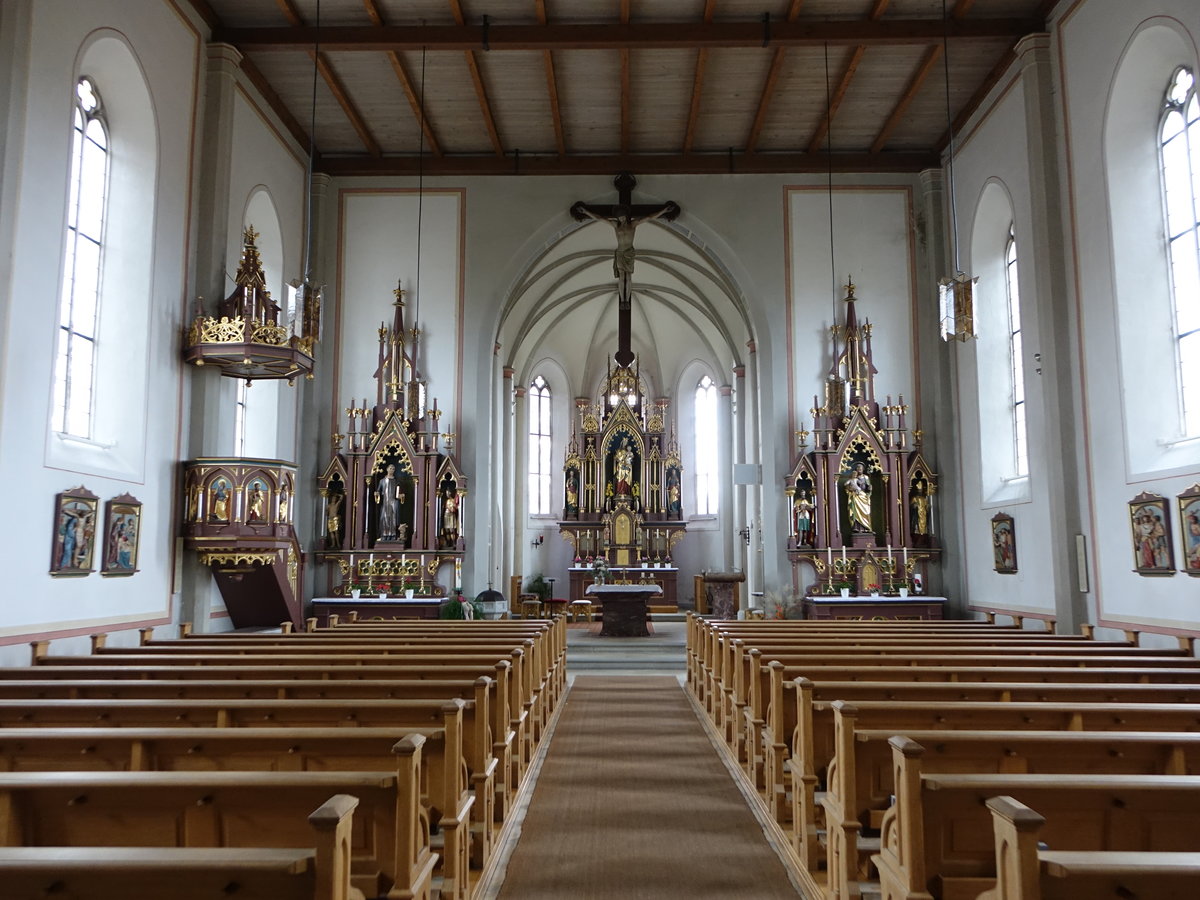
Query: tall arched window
x: 1179, y: 155
x: 79, y: 308
x: 539, y: 447
x: 707, y: 488
x: 1016, y: 370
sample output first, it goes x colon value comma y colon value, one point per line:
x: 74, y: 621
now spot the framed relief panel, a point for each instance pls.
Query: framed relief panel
x: 1150, y: 527
x: 74, y: 540
x: 122, y: 531
x: 1004, y: 544
x: 1189, y: 529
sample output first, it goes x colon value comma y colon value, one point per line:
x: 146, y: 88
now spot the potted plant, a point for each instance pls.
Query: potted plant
x: 537, y: 584
x: 459, y: 607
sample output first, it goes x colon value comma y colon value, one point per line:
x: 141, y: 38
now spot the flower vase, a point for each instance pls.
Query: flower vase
x: 408, y: 593
x: 355, y: 593
x: 903, y: 592
x: 845, y: 593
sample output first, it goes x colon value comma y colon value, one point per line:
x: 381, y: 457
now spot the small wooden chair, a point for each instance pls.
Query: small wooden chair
x: 577, y: 608
x: 531, y: 606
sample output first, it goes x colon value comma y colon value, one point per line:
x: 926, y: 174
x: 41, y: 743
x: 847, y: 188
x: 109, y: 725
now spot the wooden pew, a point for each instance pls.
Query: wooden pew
x: 811, y: 724
x: 469, y: 747
x: 937, y: 836
x: 522, y: 702
x: 186, y: 749
x: 860, y: 778
x: 390, y: 852
x: 1029, y: 873
x: 118, y: 873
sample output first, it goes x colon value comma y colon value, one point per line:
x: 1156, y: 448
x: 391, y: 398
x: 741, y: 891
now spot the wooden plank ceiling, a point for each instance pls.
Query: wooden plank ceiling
x: 492, y: 87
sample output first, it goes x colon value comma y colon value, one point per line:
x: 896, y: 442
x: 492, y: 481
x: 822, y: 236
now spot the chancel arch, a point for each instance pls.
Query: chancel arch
x: 688, y: 317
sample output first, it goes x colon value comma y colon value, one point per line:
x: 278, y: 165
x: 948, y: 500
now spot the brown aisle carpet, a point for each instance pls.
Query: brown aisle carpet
x: 634, y: 802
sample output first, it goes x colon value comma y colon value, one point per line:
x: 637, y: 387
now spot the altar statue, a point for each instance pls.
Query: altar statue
x: 388, y: 496
x: 858, y: 499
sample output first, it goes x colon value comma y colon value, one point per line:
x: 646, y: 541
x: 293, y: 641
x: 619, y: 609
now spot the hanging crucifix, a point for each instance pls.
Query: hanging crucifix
x: 624, y: 216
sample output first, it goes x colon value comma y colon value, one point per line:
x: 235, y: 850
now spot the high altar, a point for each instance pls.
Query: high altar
x: 861, y: 494
x: 622, y: 501
x: 392, y: 494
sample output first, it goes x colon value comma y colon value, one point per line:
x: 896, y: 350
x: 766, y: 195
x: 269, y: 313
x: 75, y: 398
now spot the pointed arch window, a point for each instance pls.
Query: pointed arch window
x: 79, y: 306
x: 707, y: 488
x: 1016, y: 370
x: 539, y: 447
x: 1179, y: 158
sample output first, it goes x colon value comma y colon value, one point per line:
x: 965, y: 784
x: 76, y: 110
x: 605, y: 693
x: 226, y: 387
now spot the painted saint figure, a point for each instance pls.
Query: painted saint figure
x: 858, y: 500
x: 333, y: 521
x: 388, y: 496
x: 623, y: 467
x: 920, y: 508
x: 220, y: 505
x: 254, y: 512
x: 450, y: 517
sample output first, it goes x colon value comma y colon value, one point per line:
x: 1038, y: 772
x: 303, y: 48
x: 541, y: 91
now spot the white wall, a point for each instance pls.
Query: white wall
x: 1095, y: 38
x: 153, y: 40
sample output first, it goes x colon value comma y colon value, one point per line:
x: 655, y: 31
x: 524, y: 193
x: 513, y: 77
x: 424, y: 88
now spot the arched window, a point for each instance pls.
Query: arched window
x: 79, y: 308
x: 1016, y: 370
x: 539, y: 447
x: 1179, y: 157
x: 707, y: 489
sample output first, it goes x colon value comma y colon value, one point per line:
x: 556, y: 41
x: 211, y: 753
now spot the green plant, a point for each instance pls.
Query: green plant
x: 538, y: 585
x: 456, y: 608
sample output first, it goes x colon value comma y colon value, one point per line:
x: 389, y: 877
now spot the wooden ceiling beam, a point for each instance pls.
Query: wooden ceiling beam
x: 649, y: 164
x: 485, y: 106
x: 634, y: 36
x: 406, y: 84
x: 689, y: 134
x: 560, y: 141
x: 769, y: 84
x: 264, y: 88
x: 961, y: 8
x: 932, y: 55
x: 835, y: 99
x: 626, y: 101
x: 839, y: 93
x: 332, y: 81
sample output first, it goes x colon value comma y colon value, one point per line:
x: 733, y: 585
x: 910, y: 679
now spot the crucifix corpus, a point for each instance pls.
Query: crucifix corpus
x: 624, y: 216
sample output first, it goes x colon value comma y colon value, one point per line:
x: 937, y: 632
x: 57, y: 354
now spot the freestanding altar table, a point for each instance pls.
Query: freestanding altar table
x: 623, y: 607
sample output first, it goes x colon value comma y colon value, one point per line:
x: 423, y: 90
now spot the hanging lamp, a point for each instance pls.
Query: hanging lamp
x: 956, y: 292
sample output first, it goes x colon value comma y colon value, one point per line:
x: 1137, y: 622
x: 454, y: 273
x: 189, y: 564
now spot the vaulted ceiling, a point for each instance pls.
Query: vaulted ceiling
x: 483, y: 87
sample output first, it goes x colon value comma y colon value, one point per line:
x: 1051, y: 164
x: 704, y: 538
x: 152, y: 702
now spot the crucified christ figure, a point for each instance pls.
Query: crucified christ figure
x: 624, y: 216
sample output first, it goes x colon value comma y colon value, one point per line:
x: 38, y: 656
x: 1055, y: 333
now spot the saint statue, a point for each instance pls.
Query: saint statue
x: 802, y: 507
x: 450, y: 517
x: 388, y: 497
x: 572, y: 492
x: 858, y: 500
x: 333, y: 521
x: 623, y: 467
x: 220, y: 505
x: 920, y: 508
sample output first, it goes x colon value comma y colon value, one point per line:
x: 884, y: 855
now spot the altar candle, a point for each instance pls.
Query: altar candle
x: 904, y: 550
x: 829, y: 557
x: 843, y: 553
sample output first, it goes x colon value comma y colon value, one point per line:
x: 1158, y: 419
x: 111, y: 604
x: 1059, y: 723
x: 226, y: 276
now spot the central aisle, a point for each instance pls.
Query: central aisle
x: 633, y: 801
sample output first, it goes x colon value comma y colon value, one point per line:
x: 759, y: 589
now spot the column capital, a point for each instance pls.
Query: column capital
x: 1033, y: 48
x: 752, y: 346
x: 933, y: 179
x: 507, y: 370
x: 739, y: 372
x: 223, y: 56
x: 726, y: 390
x: 520, y: 392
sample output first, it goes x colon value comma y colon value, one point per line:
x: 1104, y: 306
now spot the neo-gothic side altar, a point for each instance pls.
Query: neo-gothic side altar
x: 392, y: 491
x: 861, y: 494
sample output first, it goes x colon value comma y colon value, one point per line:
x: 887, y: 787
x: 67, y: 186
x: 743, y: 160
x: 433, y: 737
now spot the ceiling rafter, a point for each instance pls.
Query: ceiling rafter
x: 642, y: 163
x: 280, y: 109
x: 560, y: 141
x: 932, y: 55
x: 485, y: 106
x: 332, y: 81
x: 772, y: 79
x: 835, y: 99
x: 689, y: 135
x: 635, y: 36
x: 406, y: 84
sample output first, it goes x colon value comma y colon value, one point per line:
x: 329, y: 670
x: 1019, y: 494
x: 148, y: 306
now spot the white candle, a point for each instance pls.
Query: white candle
x: 904, y: 550
x: 829, y: 556
x: 843, y: 552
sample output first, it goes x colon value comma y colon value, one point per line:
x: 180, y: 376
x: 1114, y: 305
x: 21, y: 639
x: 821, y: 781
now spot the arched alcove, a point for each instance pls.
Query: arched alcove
x: 1141, y: 274
x: 126, y: 297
